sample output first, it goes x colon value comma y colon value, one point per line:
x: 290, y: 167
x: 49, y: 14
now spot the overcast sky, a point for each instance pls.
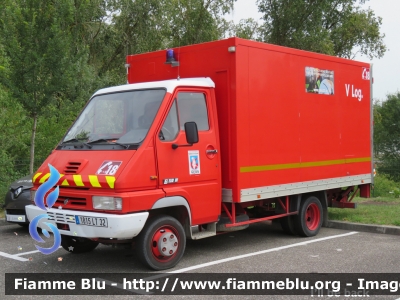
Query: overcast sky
x: 386, y: 71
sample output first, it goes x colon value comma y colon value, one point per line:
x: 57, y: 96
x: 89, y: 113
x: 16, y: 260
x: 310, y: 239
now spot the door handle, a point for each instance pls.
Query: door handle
x: 214, y: 151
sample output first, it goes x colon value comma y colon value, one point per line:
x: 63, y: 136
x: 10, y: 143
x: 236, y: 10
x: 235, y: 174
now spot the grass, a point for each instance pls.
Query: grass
x: 380, y: 211
x: 2, y: 213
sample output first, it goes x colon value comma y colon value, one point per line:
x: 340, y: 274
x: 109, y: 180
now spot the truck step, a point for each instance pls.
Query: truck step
x: 210, y: 230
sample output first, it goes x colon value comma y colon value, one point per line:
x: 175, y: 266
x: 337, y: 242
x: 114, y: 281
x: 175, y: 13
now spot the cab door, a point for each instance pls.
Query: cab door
x: 192, y: 172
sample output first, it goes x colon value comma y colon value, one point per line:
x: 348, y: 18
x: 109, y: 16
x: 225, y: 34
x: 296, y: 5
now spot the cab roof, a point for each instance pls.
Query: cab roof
x: 169, y: 85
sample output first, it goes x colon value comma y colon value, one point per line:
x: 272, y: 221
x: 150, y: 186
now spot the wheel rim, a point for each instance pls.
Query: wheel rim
x: 165, y: 243
x: 313, y: 216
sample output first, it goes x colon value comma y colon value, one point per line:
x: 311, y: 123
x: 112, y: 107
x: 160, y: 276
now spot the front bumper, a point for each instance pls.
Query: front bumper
x: 15, y: 207
x: 118, y: 227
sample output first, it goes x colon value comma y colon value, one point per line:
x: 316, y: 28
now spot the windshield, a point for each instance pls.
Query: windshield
x: 123, y: 117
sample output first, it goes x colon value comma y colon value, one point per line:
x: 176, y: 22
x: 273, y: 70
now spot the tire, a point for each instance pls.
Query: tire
x: 309, y: 220
x: 77, y: 245
x: 288, y: 225
x: 161, y: 243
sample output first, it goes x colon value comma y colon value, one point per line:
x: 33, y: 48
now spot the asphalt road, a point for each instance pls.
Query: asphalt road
x: 262, y: 248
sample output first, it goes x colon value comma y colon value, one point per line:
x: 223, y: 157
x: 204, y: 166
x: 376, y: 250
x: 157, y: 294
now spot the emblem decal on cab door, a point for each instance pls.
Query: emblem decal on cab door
x: 194, y: 162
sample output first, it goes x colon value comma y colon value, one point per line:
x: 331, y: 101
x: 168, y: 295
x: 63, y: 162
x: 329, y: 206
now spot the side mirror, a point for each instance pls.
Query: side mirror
x: 192, y: 134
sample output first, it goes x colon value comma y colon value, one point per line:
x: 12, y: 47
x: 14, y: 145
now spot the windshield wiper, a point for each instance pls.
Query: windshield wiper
x: 76, y: 140
x: 112, y: 143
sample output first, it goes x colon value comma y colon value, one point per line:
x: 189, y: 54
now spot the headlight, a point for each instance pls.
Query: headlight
x: 107, y: 203
x: 17, y: 192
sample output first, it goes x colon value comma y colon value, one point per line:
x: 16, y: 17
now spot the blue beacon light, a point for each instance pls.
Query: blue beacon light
x: 171, y: 58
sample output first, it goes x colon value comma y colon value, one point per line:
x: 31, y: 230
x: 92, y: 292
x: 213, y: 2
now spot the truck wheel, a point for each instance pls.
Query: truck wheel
x: 288, y: 226
x: 161, y: 243
x: 309, y: 220
x: 77, y: 245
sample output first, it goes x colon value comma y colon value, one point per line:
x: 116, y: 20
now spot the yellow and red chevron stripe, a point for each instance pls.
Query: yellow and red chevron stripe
x: 78, y: 180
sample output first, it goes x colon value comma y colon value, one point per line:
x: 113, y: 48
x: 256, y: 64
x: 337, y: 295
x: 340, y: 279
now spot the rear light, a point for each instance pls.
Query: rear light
x: 107, y: 203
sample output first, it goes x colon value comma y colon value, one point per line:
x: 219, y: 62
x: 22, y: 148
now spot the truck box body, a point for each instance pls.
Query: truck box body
x: 278, y: 138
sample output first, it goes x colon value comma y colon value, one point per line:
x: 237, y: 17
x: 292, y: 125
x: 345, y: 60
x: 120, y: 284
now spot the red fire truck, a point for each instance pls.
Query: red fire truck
x: 210, y: 138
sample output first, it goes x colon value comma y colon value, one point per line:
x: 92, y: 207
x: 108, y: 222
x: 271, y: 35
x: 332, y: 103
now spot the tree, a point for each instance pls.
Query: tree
x: 13, y: 137
x: 132, y: 27
x: 196, y: 21
x: 387, y: 135
x: 147, y: 25
x: 246, y: 29
x: 37, y: 42
x: 334, y: 27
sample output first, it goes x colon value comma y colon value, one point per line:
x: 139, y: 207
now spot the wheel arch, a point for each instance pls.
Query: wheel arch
x: 175, y: 206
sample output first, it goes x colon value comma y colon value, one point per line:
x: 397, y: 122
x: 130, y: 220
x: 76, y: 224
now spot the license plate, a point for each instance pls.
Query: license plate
x: 91, y: 221
x: 15, y: 218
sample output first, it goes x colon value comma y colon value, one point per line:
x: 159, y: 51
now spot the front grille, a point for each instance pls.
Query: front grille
x: 71, y: 201
x: 61, y: 218
x: 74, y: 187
x: 72, y: 167
x: 15, y: 211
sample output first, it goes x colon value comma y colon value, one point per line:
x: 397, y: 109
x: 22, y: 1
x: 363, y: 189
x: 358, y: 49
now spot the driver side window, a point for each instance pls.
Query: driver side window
x: 170, y: 127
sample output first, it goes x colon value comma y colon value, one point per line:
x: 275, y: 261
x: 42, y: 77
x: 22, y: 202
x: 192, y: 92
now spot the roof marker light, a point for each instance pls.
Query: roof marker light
x: 232, y: 49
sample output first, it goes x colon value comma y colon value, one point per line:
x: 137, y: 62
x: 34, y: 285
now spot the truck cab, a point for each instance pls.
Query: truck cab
x: 129, y: 157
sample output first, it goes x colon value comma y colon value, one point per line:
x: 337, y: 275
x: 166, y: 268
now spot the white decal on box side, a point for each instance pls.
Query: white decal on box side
x: 366, y: 74
x: 194, y: 162
x: 355, y: 93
